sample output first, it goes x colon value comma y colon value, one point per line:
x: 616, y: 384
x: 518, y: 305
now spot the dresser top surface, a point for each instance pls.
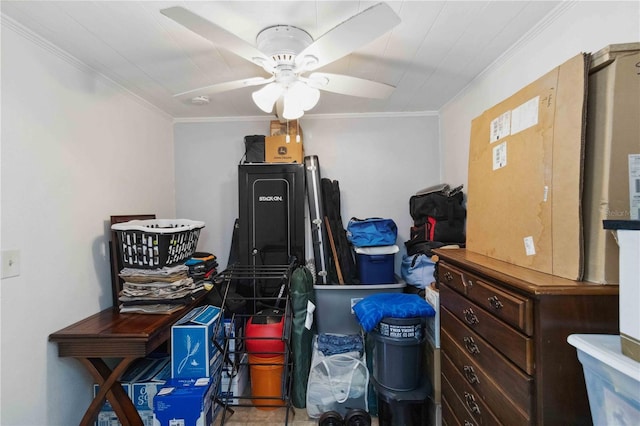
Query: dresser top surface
x: 528, y: 280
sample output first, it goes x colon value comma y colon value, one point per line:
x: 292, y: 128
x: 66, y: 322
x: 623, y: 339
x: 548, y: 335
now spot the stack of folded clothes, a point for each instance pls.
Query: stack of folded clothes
x: 162, y: 290
x: 202, y: 266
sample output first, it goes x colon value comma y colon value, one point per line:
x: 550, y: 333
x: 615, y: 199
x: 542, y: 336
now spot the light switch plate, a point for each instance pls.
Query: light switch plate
x: 10, y: 263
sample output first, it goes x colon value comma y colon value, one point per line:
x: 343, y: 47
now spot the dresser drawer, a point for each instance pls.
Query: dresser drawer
x: 457, y: 337
x: 513, y: 344
x: 510, y: 307
x: 501, y: 400
x: 472, y: 403
x: 452, y: 408
x: 452, y: 277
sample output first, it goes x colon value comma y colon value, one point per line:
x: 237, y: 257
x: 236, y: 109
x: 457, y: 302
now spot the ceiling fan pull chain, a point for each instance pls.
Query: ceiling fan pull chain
x: 288, y: 137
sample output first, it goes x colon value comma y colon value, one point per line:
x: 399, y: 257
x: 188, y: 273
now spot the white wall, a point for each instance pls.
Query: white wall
x: 75, y: 150
x: 582, y: 26
x: 379, y: 163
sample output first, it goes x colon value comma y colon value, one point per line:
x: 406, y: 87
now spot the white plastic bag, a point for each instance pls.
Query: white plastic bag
x: 336, y: 382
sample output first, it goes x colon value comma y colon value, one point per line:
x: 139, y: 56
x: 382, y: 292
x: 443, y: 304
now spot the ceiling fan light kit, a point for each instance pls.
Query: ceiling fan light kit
x: 287, y: 52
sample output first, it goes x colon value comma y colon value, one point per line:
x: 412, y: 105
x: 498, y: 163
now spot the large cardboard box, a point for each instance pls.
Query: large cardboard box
x: 278, y: 150
x: 185, y: 402
x: 525, y: 174
x: 194, y: 353
x: 613, y: 134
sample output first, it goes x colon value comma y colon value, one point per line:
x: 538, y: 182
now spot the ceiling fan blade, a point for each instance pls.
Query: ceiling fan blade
x: 348, y: 36
x: 347, y: 85
x: 224, y: 87
x: 218, y: 35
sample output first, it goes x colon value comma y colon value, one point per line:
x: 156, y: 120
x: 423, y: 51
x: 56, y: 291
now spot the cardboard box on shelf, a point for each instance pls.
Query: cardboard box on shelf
x: 278, y: 150
x: 525, y: 170
x: 612, y: 136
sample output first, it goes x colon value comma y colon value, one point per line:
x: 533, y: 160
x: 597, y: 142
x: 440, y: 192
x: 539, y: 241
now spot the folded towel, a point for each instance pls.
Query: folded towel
x: 372, y: 309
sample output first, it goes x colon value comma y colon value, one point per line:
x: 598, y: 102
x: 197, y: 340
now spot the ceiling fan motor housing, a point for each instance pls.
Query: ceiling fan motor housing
x: 283, y: 43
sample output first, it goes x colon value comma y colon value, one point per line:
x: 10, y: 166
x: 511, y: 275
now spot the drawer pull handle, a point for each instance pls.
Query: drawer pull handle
x: 467, y: 423
x: 495, y: 302
x: 470, y: 374
x: 470, y: 317
x: 470, y: 345
x: 469, y: 284
x: 471, y: 403
x: 448, y: 276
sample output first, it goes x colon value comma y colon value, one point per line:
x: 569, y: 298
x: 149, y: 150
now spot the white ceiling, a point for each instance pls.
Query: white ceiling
x: 436, y: 50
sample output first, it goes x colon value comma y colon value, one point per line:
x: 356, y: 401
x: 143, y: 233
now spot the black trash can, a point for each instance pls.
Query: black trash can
x: 407, y: 408
x: 398, y: 353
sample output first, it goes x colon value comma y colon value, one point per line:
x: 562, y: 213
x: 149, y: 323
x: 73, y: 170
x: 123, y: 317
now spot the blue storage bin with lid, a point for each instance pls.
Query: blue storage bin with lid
x: 376, y: 264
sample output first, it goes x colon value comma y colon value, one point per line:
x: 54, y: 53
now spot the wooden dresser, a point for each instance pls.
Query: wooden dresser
x: 505, y: 356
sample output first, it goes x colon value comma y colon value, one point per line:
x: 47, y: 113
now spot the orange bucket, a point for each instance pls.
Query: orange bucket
x: 266, y: 380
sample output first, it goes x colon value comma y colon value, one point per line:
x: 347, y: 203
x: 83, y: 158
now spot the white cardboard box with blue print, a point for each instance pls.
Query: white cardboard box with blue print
x: 193, y: 351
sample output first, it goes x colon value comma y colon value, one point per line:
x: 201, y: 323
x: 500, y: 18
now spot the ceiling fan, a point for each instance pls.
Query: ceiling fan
x: 289, y: 53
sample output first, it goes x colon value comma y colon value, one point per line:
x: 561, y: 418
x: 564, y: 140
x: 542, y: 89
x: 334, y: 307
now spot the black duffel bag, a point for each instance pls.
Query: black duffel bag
x: 439, y: 215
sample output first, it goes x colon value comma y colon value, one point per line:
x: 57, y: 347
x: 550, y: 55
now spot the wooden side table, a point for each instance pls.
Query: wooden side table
x: 126, y: 337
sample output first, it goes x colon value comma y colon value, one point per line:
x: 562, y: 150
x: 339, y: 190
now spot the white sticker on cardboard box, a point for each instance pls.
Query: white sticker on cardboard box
x: 500, y: 156
x: 546, y: 194
x: 501, y: 127
x: 634, y: 186
x: 529, y: 246
x: 525, y: 116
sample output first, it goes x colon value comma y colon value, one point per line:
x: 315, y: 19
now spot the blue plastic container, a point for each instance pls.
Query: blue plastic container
x: 376, y: 264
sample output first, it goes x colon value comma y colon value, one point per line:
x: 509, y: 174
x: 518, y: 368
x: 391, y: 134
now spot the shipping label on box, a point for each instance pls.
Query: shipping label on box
x: 193, y: 347
x: 278, y: 150
x: 525, y: 174
x: 184, y: 402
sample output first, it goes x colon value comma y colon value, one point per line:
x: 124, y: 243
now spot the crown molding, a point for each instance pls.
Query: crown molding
x: 310, y: 116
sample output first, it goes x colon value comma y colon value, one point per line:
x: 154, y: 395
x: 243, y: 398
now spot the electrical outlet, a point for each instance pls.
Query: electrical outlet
x: 10, y: 263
